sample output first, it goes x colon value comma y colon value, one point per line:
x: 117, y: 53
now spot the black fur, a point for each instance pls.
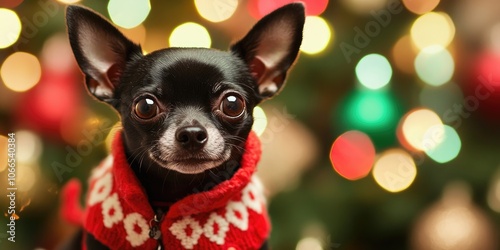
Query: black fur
x: 189, y: 92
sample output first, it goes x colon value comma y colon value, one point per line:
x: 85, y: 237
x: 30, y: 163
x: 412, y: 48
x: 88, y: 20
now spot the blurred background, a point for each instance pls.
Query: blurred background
x: 385, y: 137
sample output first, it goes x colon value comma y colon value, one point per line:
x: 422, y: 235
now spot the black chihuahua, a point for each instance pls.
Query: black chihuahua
x: 180, y: 176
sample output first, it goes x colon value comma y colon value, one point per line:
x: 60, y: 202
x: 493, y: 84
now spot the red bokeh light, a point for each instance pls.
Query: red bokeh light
x: 353, y: 155
x: 260, y: 8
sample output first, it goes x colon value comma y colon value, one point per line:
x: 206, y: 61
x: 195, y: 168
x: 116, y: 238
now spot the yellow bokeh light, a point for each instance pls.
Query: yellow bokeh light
x: 25, y: 177
x: 136, y: 34
x: 415, y: 128
x: 309, y: 243
x: 317, y: 35
x: 21, y: 71
x: 494, y: 193
x: 3, y: 153
x: 190, y: 35
x: 111, y: 135
x: 260, y: 121
x: 394, y: 170
x: 433, y: 28
x: 10, y: 27
x: 404, y: 54
x: 216, y: 10
x: 31, y: 146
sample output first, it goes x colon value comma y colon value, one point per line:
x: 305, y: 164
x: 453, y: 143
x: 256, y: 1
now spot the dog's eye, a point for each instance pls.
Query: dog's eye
x: 232, y: 105
x: 146, y: 108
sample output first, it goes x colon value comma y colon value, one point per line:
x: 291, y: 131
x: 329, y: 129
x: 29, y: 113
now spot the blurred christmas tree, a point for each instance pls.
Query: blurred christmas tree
x: 418, y: 81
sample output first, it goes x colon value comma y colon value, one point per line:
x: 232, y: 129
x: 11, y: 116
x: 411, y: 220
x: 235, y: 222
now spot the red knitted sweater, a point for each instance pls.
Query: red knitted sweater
x: 232, y: 215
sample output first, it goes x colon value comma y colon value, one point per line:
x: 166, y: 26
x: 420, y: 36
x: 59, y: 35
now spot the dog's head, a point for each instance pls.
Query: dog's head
x: 185, y: 109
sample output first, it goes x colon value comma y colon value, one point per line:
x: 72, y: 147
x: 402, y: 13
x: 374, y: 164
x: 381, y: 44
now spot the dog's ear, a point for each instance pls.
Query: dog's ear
x: 101, y: 51
x: 271, y: 46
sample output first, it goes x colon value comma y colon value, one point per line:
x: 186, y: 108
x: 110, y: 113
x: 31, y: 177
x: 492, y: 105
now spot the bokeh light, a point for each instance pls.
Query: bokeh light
x: 21, y: 71
x: 57, y: 55
x: 69, y: 1
x: 364, y: 6
x: 3, y: 155
x: 441, y: 98
x: 128, y: 13
x: 136, y: 34
x: 10, y: 3
x: 316, y: 36
x: 216, y: 10
x: 454, y: 222
x: 404, y: 54
x: 373, y: 71
x: 493, y: 192
x: 309, y: 243
x: 394, y: 170
x: 420, y: 7
x: 31, y: 146
x: 369, y: 111
x: 260, y: 8
x: 10, y: 27
x: 25, y: 177
x: 190, y: 35
x: 352, y: 155
x: 260, y: 120
x: 414, y: 126
x: 111, y: 135
x: 442, y: 143
x: 433, y: 28
x: 434, y: 65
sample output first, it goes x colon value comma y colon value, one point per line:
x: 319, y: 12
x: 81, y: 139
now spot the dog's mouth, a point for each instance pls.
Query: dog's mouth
x: 190, y: 164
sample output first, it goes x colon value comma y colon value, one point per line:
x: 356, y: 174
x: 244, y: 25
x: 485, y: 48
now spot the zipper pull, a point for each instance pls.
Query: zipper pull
x: 154, y: 226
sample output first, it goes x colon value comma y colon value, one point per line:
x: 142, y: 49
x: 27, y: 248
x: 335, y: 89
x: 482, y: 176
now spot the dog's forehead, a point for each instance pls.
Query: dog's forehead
x: 186, y: 63
x: 190, y: 74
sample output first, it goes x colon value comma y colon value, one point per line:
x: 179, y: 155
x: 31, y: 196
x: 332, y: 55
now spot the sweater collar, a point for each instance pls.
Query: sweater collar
x: 130, y: 189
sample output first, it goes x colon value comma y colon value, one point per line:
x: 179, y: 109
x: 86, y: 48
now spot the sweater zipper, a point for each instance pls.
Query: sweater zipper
x: 154, y: 227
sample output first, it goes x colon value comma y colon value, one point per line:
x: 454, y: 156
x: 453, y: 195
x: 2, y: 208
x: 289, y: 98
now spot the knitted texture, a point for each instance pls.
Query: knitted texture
x: 232, y: 214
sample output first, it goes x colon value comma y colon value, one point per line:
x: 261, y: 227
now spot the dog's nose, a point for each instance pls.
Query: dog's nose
x: 192, y: 137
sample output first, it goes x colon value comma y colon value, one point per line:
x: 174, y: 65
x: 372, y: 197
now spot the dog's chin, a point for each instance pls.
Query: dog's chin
x: 191, y: 165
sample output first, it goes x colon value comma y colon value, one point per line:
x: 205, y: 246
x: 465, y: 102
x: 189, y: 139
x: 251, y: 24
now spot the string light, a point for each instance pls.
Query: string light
x: 316, y: 36
x: 352, y: 155
x: 10, y: 27
x: 21, y: 71
x: 128, y: 13
x: 190, y: 35
x: 394, y: 170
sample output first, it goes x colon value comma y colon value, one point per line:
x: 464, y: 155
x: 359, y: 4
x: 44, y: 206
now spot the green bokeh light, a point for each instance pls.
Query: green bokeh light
x: 128, y: 13
x: 434, y: 65
x: 443, y: 144
x: 373, y: 112
x: 374, y: 71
